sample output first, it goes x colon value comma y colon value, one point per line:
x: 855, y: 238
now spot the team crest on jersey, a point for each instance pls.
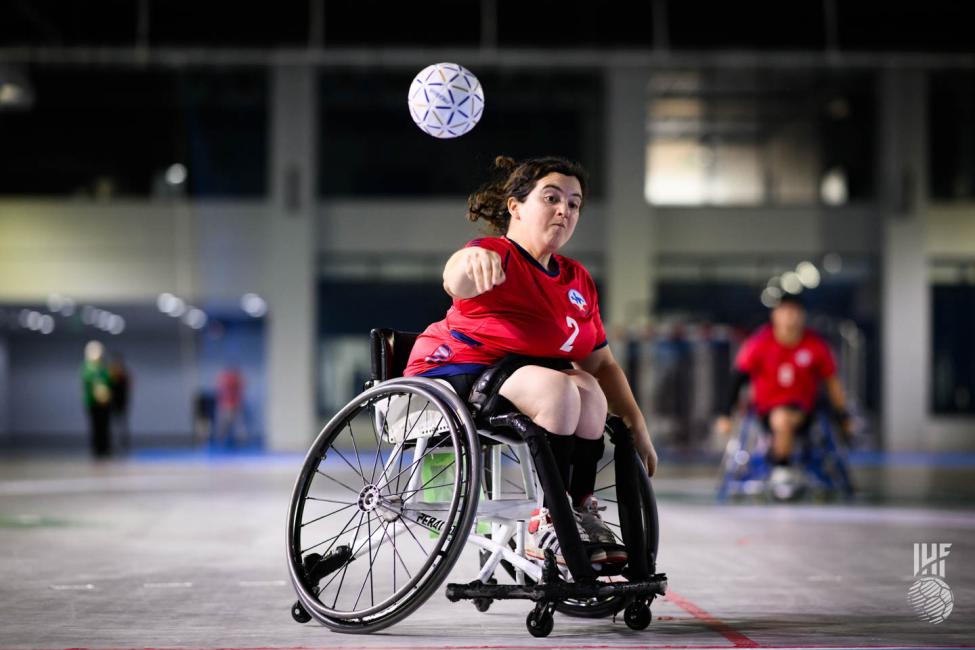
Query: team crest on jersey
x: 803, y: 358
x: 576, y: 299
x: 440, y: 355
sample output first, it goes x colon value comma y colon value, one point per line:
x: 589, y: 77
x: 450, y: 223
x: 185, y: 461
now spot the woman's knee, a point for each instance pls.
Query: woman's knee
x: 549, y: 397
x: 593, y: 407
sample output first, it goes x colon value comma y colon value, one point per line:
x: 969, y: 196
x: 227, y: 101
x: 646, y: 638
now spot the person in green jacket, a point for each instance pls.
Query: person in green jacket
x: 96, y: 385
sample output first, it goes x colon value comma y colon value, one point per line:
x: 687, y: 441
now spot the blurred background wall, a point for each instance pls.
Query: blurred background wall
x: 213, y: 185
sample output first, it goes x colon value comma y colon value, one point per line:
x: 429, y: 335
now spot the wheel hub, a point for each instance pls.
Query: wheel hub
x: 368, y: 498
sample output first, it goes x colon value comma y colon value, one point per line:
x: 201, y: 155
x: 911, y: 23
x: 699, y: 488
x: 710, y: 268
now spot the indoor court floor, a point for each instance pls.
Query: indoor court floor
x: 188, y: 551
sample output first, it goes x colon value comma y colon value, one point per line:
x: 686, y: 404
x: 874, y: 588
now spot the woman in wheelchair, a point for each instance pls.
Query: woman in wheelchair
x: 390, y: 492
x: 515, y: 295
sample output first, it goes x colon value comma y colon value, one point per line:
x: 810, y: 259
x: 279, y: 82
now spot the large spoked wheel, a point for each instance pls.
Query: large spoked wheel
x: 632, y: 518
x: 383, y: 506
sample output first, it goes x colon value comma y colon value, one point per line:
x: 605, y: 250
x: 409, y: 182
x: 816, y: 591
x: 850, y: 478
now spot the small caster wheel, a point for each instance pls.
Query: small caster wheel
x: 482, y: 604
x: 637, y: 615
x: 299, y: 613
x: 540, y: 623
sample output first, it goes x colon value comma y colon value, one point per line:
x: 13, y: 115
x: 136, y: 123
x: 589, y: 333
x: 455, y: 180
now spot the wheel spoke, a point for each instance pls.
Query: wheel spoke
x: 326, y: 500
x: 358, y: 527
x: 330, y: 538
x: 354, y: 491
x: 355, y: 448
x: 396, y: 554
x: 328, y: 515
x: 351, y: 466
x: 416, y: 463
x: 425, y: 487
x: 410, y: 531
x: 379, y: 437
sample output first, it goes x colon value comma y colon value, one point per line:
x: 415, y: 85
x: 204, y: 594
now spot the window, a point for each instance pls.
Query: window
x: 953, y: 321
x: 746, y: 137
x: 107, y: 132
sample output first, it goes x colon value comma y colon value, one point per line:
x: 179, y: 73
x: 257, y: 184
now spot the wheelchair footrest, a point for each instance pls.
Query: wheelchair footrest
x: 558, y: 590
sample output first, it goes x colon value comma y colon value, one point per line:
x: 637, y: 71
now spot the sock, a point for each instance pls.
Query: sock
x: 585, y: 463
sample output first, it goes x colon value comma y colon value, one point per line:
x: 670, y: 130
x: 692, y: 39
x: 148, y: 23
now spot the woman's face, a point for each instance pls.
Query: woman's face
x: 548, y: 217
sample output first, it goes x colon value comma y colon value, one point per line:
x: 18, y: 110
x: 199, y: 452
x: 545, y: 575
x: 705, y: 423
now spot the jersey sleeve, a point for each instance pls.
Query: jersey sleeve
x: 495, y: 244
x: 601, y: 340
x: 597, y: 318
x: 747, y: 357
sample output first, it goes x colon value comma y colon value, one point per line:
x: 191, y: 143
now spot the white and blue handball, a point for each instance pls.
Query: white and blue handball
x: 446, y: 100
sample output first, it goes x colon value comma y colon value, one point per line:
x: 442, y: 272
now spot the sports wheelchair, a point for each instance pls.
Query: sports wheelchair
x: 407, y: 474
x: 823, y: 461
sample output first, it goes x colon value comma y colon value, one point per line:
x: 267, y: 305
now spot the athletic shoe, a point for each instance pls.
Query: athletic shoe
x: 784, y: 483
x: 542, y: 537
x: 587, y: 515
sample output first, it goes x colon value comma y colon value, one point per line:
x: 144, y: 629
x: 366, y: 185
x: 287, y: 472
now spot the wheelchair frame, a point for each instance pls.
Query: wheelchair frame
x: 746, y: 469
x: 503, y: 547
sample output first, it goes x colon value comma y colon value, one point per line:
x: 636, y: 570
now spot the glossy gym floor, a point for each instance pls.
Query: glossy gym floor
x: 187, y: 551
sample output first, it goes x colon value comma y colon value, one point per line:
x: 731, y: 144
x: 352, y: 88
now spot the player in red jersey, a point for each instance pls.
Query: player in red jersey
x: 785, y: 362
x: 514, y: 294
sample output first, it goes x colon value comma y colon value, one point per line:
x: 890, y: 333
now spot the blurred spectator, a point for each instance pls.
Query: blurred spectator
x: 231, y: 425
x: 785, y: 362
x: 120, y: 384
x: 98, y: 396
x: 204, y: 411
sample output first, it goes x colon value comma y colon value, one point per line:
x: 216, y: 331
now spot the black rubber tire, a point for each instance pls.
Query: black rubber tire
x: 299, y: 613
x: 456, y: 523
x: 540, y: 625
x: 637, y: 615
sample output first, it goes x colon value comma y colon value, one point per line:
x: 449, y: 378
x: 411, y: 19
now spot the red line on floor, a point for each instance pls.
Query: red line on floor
x: 728, y: 632
x: 563, y: 646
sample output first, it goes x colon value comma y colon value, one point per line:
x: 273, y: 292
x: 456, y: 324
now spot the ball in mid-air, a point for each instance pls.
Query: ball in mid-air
x: 446, y: 100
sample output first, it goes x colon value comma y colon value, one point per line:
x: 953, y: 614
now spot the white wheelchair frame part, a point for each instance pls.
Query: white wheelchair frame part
x: 507, y: 516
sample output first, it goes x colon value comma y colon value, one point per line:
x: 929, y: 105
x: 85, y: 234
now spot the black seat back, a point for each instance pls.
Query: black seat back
x: 390, y: 352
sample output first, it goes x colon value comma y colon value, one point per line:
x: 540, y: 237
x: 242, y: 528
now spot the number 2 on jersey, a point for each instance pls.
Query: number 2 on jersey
x: 574, y: 326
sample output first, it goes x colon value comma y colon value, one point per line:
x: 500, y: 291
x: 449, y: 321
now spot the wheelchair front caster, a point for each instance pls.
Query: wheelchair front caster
x: 637, y: 615
x: 540, y: 620
x: 484, y: 604
x: 299, y: 613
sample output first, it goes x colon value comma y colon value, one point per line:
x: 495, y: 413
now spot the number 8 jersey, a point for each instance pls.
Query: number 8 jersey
x: 551, y: 313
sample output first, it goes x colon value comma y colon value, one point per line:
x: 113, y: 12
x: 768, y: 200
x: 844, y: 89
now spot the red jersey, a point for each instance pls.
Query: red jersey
x: 539, y: 312
x: 783, y: 375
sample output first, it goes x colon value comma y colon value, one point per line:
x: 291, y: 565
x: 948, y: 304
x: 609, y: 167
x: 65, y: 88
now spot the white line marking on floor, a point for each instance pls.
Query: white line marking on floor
x: 261, y: 583
x: 824, y: 578
x: 167, y: 585
x: 72, y: 587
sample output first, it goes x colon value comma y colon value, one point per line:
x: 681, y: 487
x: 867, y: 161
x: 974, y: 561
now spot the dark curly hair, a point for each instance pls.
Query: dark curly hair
x: 517, y: 179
